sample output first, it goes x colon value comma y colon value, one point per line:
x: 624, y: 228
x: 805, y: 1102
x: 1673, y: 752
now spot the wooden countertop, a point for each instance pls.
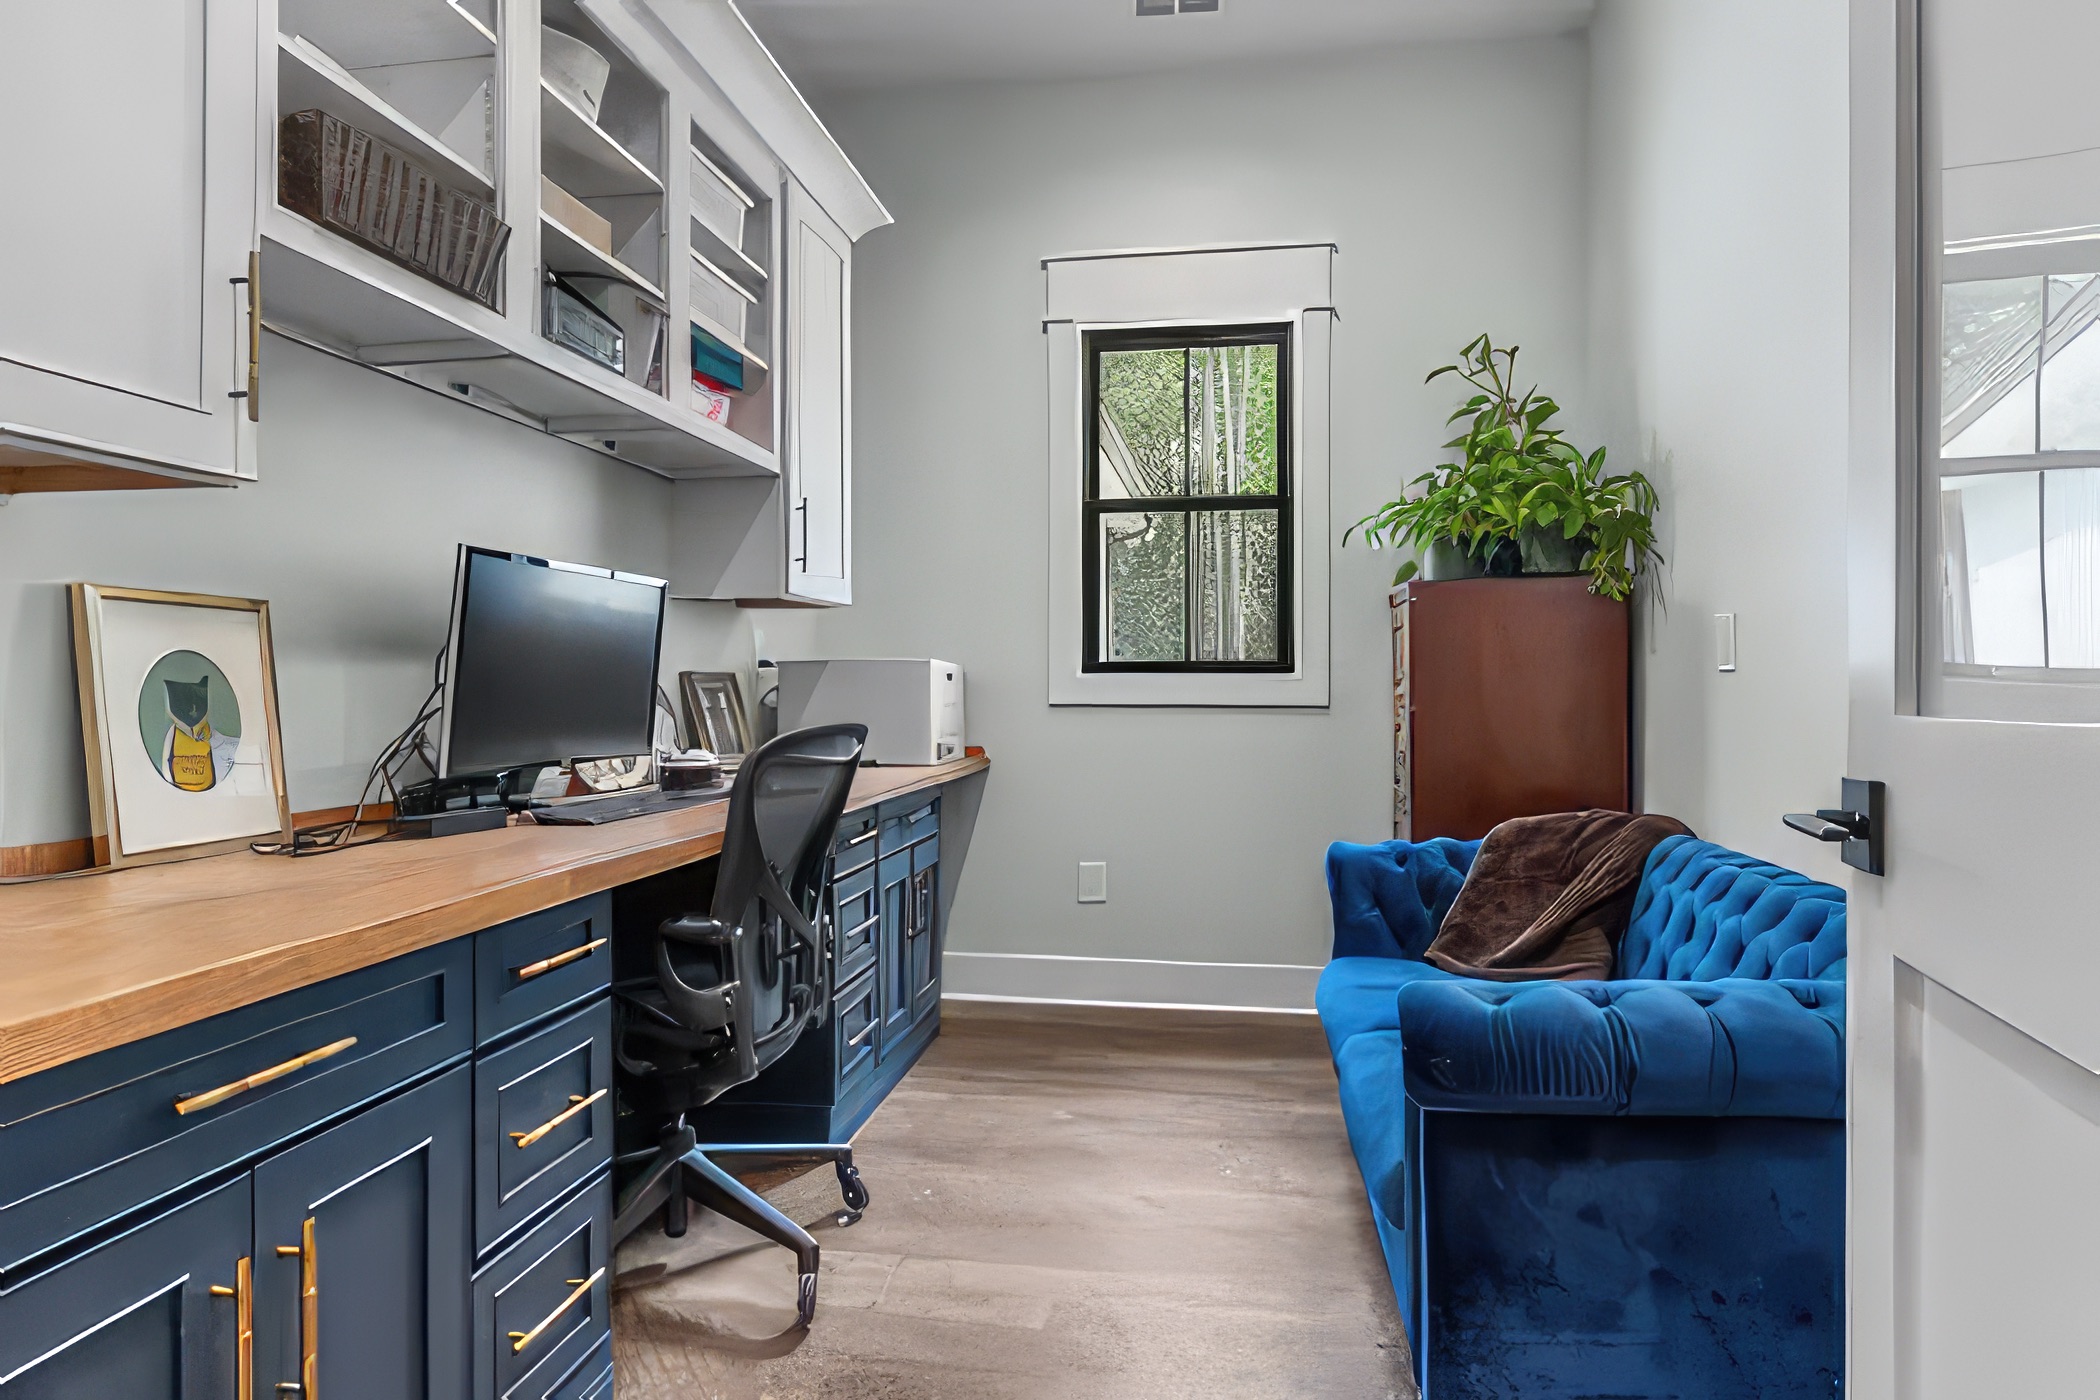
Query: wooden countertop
x: 90, y: 963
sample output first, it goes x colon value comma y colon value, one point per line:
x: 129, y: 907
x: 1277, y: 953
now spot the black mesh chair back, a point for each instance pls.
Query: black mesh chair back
x: 734, y: 988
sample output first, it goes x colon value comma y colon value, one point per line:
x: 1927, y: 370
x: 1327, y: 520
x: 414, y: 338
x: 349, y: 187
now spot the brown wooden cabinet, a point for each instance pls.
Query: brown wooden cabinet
x: 1509, y: 700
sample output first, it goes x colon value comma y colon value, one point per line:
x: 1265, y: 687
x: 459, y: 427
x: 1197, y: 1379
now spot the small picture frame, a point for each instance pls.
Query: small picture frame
x: 714, y: 712
x: 178, y: 716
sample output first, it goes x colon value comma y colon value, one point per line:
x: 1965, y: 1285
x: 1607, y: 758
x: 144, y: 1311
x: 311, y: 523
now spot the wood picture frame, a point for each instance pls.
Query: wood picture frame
x: 714, y: 712
x: 179, y: 721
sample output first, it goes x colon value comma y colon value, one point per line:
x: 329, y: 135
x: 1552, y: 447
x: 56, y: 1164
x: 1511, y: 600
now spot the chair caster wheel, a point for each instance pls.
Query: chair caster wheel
x: 850, y: 1186
x: 846, y: 1218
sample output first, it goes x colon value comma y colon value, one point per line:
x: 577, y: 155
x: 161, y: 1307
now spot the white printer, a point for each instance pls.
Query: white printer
x: 913, y: 709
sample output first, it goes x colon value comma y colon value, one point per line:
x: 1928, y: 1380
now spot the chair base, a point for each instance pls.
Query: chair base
x: 684, y: 1170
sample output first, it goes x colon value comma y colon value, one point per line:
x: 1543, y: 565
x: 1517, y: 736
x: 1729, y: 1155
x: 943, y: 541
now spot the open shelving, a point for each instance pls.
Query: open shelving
x: 307, y: 77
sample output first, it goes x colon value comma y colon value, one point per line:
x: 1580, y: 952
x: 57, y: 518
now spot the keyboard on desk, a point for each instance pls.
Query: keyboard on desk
x: 619, y: 806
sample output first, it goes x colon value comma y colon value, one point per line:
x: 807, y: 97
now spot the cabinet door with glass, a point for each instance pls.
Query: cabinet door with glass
x: 819, y: 476
x: 128, y: 163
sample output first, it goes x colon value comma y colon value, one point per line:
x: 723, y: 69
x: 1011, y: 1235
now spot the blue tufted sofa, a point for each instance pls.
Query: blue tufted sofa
x: 1631, y: 1188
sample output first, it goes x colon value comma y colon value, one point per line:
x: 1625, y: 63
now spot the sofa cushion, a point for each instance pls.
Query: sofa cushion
x: 1355, y: 995
x: 1389, y: 899
x: 1705, y: 912
x: 1733, y: 1047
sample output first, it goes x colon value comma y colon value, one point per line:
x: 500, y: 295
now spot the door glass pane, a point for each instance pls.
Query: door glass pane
x: 2010, y: 196
x: 1144, y: 423
x: 1236, y: 558
x: 1991, y: 532
x: 1145, y: 585
x: 2071, y: 378
x: 1992, y: 334
x: 2071, y: 565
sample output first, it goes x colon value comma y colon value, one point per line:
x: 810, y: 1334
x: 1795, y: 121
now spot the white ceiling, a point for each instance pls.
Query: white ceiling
x: 841, y: 46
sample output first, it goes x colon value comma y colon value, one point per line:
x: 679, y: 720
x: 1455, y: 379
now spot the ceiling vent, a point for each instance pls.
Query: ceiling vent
x: 1168, y: 7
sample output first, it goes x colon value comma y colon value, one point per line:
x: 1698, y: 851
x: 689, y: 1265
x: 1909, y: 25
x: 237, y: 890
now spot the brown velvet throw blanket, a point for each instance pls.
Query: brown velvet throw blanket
x: 1548, y: 897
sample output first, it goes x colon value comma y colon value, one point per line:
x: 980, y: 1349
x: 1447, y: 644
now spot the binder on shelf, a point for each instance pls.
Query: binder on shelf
x: 350, y: 182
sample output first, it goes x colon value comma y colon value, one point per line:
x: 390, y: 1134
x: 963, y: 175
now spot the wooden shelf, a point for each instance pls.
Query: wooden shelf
x: 306, y: 78
x: 344, y: 299
x: 563, y: 250
x: 732, y: 262
x: 375, y: 33
x: 583, y: 158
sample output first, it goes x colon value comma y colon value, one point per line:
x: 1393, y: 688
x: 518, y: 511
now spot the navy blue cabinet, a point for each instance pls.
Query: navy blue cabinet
x: 135, y: 1317
x: 885, y: 927
x: 362, y: 1252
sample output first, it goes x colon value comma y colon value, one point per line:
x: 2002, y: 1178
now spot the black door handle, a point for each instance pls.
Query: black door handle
x: 1858, y: 824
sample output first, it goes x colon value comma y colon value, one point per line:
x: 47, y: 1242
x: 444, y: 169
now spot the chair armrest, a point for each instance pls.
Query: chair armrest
x: 1390, y: 899
x: 697, y: 930
x: 1728, y: 1048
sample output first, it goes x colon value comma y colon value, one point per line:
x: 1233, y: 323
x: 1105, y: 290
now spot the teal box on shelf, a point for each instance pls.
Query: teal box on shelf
x: 716, y: 364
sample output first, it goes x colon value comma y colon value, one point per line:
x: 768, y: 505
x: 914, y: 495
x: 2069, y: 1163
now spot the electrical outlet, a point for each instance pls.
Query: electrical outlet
x: 1093, y: 882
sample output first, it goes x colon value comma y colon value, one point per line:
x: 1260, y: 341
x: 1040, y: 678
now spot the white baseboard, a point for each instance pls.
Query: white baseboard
x: 1190, y: 986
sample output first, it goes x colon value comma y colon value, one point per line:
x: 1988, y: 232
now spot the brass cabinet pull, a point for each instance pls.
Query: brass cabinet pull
x: 577, y: 1104
x: 309, y: 1308
x: 253, y: 392
x: 521, y: 1340
x: 868, y: 835
x: 214, y: 1097
x: 243, y: 1295
x: 532, y: 970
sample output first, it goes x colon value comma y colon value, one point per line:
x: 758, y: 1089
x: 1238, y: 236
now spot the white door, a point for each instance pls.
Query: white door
x: 1974, y: 1239
x: 819, y: 477
x: 127, y: 133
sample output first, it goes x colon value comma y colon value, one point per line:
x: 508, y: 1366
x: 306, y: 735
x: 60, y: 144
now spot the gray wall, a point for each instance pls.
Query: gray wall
x: 366, y: 486
x: 1718, y: 363
x: 1213, y: 822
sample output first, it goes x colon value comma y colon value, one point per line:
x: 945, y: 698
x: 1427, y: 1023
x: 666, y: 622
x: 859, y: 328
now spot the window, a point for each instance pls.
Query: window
x: 1189, y: 438
x: 1187, y: 523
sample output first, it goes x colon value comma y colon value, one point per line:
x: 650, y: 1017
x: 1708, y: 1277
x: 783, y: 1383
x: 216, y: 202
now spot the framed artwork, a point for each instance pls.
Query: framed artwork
x: 178, y: 714
x: 714, y: 712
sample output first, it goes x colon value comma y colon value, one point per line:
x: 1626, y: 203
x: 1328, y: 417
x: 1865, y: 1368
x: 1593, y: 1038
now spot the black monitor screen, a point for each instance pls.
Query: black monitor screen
x: 548, y: 663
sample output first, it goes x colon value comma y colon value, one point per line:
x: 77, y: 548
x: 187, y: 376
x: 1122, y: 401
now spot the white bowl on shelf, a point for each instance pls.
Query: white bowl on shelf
x: 574, y: 69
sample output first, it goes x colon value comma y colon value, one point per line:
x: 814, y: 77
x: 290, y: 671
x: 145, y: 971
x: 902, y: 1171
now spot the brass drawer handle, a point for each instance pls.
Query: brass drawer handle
x: 309, y: 1259
x: 863, y: 926
x: 243, y: 1295
x: 214, y: 1097
x: 577, y: 1104
x: 532, y: 970
x: 868, y: 835
x: 865, y: 1032
x: 521, y: 1340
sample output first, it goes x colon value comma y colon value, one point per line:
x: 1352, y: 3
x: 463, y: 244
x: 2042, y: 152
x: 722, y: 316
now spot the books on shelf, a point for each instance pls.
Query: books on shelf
x: 350, y: 181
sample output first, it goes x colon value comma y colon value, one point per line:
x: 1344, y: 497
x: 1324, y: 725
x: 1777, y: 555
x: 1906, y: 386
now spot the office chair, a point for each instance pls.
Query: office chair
x: 734, y: 988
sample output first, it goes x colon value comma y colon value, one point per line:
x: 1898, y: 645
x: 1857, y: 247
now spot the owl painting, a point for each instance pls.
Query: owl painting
x: 186, y: 758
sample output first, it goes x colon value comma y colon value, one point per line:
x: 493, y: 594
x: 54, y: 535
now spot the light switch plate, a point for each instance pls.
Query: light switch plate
x: 1093, y: 882
x: 1724, y: 641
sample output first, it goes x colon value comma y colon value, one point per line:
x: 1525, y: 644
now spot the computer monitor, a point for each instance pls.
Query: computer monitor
x: 547, y: 662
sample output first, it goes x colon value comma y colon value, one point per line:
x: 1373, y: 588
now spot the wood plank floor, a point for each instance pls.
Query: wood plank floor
x: 1068, y: 1202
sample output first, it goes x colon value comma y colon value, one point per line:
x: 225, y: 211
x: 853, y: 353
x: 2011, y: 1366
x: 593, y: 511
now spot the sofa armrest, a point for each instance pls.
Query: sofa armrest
x: 1728, y: 1048
x: 1390, y: 899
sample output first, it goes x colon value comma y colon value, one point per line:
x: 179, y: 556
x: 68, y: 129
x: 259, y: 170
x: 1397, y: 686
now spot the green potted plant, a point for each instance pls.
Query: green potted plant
x: 1521, y: 498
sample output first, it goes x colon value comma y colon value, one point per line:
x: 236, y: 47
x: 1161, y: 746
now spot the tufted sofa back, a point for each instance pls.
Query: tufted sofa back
x: 1705, y: 912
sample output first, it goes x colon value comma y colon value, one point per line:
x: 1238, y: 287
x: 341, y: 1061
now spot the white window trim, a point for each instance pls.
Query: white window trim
x: 1275, y: 283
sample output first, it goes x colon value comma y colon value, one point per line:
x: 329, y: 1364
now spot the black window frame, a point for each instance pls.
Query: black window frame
x: 1094, y: 506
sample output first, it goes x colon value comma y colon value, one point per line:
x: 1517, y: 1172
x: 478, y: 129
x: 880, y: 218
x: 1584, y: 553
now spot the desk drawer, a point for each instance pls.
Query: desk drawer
x: 855, y: 847
x: 540, y: 963
x: 857, y: 1022
x: 92, y: 1140
x: 545, y: 1303
x: 857, y: 917
x: 521, y: 1163
x: 593, y: 1380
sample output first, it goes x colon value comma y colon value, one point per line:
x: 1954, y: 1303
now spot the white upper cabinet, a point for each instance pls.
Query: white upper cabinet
x: 819, y: 483
x: 126, y: 150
